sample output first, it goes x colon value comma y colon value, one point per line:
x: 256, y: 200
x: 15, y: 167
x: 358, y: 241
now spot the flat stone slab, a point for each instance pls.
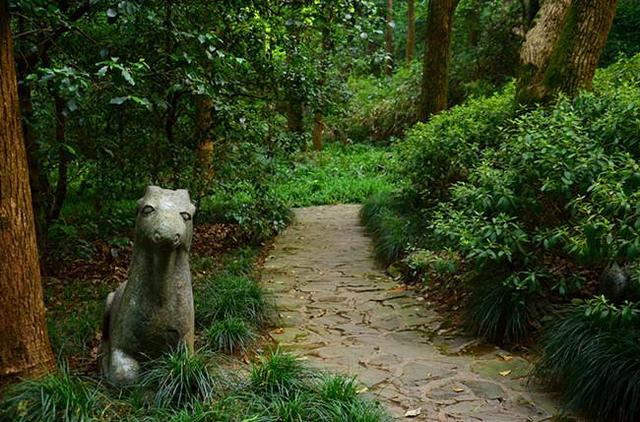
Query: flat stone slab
x: 341, y: 313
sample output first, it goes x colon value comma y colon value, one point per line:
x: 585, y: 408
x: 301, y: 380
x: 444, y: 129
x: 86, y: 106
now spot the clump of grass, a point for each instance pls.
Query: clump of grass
x: 298, y: 407
x: 596, y: 364
x: 500, y: 313
x: 61, y: 396
x: 340, y: 401
x: 197, y: 412
x: 339, y: 174
x: 281, y: 388
x: 241, y: 262
x: 391, y: 231
x: 181, y: 377
x: 228, y: 296
x: 230, y: 335
x: 278, y: 373
x: 339, y: 388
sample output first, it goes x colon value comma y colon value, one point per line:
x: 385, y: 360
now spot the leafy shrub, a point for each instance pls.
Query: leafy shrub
x: 61, y: 396
x: 226, y: 296
x: 382, y: 107
x: 260, y: 214
x: 230, y: 335
x: 425, y: 265
x: 536, y: 204
x: 593, y: 353
x: 439, y: 153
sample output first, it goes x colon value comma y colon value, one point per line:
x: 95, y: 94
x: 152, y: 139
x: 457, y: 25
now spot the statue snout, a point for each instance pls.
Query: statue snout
x: 169, y: 234
x: 167, y: 239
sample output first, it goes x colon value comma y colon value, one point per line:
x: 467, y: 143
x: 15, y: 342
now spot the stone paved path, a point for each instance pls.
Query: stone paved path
x: 343, y: 314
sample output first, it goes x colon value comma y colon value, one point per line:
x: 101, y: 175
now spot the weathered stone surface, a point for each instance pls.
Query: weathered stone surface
x: 362, y: 322
x: 152, y: 311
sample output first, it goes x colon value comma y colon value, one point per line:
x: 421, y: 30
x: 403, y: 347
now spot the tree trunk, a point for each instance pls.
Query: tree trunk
x: 411, y: 29
x: 388, y: 39
x: 318, y: 131
x: 295, y: 116
x: 561, y: 51
x: 24, y: 345
x: 40, y: 186
x: 204, y: 124
x: 437, y: 55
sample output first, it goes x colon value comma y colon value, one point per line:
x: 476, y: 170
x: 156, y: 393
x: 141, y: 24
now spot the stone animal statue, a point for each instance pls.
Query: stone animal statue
x: 152, y: 311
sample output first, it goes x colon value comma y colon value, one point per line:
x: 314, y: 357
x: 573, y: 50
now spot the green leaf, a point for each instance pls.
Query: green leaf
x: 118, y: 100
x: 127, y: 76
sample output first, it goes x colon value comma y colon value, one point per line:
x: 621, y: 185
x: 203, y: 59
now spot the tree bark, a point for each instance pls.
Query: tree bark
x: 24, y: 345
x: 561, y: 51
x: 411, y: 29
x: 204, y: 124
x: 40, y: 185
x: 437, y: 56
x: 388, y: 39
x: 295, y: 116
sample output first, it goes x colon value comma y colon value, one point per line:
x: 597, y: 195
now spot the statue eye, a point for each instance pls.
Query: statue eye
x: 185, y: 216
x: 148, y: 209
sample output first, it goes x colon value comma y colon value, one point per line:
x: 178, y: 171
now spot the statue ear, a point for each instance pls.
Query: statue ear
x: 151, y: 189
x: 187, y: 198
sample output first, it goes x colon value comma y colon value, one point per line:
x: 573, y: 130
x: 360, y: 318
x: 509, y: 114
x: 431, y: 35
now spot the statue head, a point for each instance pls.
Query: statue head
x: 165, y: 219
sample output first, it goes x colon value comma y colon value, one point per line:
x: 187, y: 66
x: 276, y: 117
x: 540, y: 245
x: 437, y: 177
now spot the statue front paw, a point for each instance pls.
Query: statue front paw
x: 123, y: 369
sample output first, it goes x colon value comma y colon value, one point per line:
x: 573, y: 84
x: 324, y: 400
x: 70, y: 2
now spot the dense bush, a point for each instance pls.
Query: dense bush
x: 382, y: 107
x: 443, y: 151
x: 537, y: 203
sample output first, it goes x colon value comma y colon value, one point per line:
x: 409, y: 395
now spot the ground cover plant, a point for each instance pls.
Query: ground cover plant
x: 232, y: 311
x: 340, y: 174
x: 526, y: 211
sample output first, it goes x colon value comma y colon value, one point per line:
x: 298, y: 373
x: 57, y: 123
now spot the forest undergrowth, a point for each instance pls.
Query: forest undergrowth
x: 526, y: 223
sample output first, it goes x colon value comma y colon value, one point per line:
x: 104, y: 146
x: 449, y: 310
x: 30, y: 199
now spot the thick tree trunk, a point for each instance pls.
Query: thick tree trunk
x: 295, y: 116
x: 204, y: 124
x: 561, y: 51
x: 388, y: 39
x: 437, y: 55
x: 24, y: 345
x: 411, y: 29
x: 40, y: 186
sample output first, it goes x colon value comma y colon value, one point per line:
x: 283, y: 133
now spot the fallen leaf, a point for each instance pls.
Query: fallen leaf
x: 278, y: 331
x: 458, y: 389
x: 362, y: 390
x: 505, y: 358
x: 413, y: 413
x: 505, y: 373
